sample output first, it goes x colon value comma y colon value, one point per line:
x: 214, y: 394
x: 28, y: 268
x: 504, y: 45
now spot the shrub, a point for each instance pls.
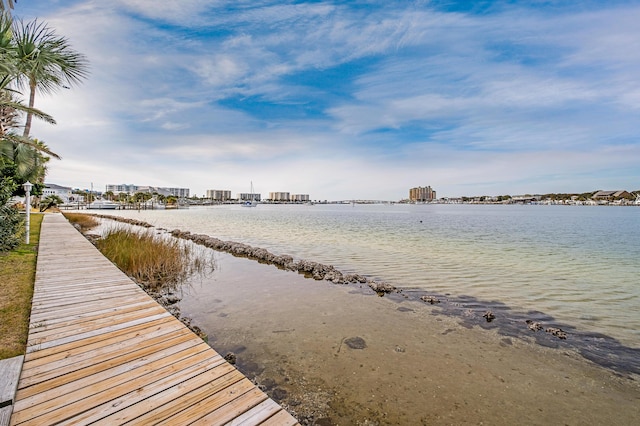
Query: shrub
x: 11, y: 221
x: 50, y: 201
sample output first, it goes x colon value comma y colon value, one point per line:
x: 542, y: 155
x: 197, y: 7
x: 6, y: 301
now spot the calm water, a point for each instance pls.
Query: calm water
x: 578, y: 264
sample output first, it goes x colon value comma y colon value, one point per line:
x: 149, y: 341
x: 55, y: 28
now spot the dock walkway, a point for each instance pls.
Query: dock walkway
x: 102, y: 351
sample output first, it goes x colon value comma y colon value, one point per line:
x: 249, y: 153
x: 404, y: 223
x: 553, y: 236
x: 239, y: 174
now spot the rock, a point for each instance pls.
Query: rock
x: 430, y: 299
x: 489, y: 316
x: 174, y: 310
x: 381, y: 287
x: 356, y: 343
x: 172, y: 298
x: 558, y: 332
x: 534, y: 326
x: 268, y: 384
x: 230, y: 357
x: 279, y: 394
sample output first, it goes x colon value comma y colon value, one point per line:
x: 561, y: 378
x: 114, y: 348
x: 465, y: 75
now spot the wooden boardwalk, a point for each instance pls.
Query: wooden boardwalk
x: 101, y: 351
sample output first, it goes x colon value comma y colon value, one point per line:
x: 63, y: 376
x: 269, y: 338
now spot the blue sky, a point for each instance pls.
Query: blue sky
x: 348, y: 99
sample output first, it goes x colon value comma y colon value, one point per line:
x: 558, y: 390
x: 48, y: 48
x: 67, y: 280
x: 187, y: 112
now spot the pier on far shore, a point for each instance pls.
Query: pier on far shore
x: 102, y: 351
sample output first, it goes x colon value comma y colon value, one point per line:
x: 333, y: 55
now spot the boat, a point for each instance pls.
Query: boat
x: 103, y: 205
x: 252, y: 202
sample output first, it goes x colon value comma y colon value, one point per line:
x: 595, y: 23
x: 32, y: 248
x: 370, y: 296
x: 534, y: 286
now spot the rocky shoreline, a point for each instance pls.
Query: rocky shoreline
x: 315, y: 270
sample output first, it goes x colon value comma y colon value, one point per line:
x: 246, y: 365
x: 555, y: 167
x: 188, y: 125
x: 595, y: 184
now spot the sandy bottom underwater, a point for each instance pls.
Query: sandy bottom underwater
x: 340, y: 355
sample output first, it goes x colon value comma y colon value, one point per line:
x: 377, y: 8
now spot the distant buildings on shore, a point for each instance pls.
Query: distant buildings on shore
x: 218, y: 194
x: 223, y: 195
x: 63, y: 192
x: 601, y: 198
x: 286, y: 196
x: 419, y: 194
x: 132, y: 189
x: 422, y: 194
x: 248, y: 196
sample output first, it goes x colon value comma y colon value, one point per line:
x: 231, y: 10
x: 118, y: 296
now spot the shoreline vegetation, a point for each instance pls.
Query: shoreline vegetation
x: 17, y: 276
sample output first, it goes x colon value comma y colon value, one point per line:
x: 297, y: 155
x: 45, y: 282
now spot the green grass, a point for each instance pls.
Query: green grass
x: 17, y: 275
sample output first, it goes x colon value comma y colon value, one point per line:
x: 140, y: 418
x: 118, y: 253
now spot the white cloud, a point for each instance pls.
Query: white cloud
x: 221, y: 70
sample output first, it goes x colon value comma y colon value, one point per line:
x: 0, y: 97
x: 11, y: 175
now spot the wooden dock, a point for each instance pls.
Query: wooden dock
x: 101, y: 351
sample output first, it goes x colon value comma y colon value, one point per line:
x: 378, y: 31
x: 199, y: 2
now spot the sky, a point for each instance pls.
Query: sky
x: 341, y: 100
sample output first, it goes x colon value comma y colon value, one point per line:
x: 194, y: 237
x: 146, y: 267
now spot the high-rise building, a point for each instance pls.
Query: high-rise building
x: 422, y: 194
x: 132, y: 189
x: 117, y: 189
x: 219, y: 194
x: 279, y: 196
x: 247, y: 196
x: 299, y: 197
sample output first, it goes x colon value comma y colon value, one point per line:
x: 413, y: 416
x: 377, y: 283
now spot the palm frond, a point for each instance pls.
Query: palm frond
x: 6, y: 102
x: 34, y: 144
x: 46, y: 59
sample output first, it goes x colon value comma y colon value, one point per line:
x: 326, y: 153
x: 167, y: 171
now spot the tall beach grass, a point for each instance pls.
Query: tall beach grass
x: 84, y: 221
x: 151, y: 260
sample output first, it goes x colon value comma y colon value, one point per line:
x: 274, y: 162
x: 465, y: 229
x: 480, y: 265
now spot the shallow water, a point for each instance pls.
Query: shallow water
x: 412, y: 363
x: 577, y: 265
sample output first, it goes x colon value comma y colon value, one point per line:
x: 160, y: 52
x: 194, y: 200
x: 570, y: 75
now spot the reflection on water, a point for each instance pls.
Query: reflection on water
x: 578, y: 264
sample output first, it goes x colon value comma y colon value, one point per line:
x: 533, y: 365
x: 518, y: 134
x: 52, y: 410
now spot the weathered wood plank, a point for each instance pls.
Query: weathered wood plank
x: 109, y: 343
x: 79, y: 291
x: 61, y: 302
x: 97, y: 340
x: 50, y: 379
x: 5, y: 415
x: 39, y: 316
x: 79, y: 361
x: 10, y: 372
x: 175, y: 399
x: 86, y: 325
x: 209, y: 404
x: 257, y: 414
x: 88, y: 315
x: 100, y: 393
x: 281, y: 418
x: 90, y: 411
x: 35, y: 344
x: 233, y: 406
x: 97, y: 382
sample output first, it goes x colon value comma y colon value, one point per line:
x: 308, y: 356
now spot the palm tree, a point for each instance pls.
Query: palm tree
x: 9, y: 105
x: 8, y: 6
x: 45, y: 62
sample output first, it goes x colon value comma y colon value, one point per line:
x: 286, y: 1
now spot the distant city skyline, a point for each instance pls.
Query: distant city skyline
x: 346, y: 100
x: 419, y: 194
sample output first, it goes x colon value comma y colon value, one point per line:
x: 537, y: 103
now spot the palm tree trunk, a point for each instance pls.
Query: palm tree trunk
x: 32, y: 100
